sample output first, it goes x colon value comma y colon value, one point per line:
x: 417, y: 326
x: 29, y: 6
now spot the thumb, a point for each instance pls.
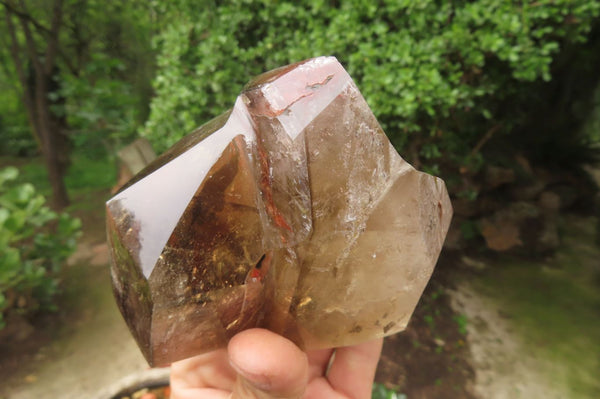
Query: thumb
x: 268, y: 366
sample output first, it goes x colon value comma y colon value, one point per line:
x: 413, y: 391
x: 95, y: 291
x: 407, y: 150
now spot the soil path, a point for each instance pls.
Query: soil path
x: 92, y: 353
x: 533, y: 326
x: 503, y: 368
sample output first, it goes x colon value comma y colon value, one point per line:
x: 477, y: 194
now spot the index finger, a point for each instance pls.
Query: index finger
x: 353, y: 369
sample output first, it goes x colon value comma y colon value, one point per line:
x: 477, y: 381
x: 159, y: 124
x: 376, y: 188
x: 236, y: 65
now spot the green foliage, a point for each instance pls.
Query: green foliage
x: 381, y: 392
x: 16, y: 139
x: 102, y: 81
x: 85, y: 173
x: 591, y: 127
x: 462, y: 321
x: 101, y: 110
x: 469, y: 229
x: 107, y: 99
x: 34, y: 243
x: 90, y: 174
x: 437, y: 74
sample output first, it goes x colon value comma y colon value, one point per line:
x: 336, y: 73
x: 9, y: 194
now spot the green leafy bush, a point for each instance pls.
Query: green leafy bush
x: 34, y: 243
x: 102, y: 111
x: 442, y: 77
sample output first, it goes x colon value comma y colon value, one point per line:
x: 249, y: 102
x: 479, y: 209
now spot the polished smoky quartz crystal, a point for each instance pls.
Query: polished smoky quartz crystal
x: 291, y: 212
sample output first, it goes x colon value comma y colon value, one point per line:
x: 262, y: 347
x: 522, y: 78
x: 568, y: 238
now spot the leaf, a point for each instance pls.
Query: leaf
x: 7, y: 174
x: 34, y: 244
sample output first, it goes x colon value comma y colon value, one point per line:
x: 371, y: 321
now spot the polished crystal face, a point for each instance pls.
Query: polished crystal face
x: 290, y: 212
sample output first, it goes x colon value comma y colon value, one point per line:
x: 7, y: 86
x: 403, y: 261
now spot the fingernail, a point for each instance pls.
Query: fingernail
x: 259, y: 381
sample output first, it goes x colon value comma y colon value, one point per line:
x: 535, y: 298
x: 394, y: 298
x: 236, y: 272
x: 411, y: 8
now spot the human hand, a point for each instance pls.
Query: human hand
x: 259, y: 364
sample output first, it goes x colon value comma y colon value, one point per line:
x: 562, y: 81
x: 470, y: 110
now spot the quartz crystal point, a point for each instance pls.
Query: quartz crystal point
x: 291, y: 212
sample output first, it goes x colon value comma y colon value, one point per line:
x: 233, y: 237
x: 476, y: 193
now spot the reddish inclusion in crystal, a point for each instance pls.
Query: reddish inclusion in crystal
x: 265, y: 181
x: 261, y: 269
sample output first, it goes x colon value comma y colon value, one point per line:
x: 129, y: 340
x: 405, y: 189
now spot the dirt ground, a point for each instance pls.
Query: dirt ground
x: 431, y: 358
x: 82, y: 349
x: 504, y: 368
x: 457, y: 345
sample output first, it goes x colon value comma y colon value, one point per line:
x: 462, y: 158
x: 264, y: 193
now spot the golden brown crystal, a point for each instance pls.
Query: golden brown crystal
x: 291, y: 212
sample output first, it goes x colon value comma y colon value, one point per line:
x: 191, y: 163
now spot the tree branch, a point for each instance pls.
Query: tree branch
x: 52, y: 47
x: 68, y: 62
x: 22, y: 15
x: 31, y: 48
x: 14, y: 48
x: 27, y: 95
x: 42, y: 30
x: 486, y: 137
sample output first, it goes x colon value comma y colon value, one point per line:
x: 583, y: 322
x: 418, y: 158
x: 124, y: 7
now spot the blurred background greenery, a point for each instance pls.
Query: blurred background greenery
x: 501, y: 99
